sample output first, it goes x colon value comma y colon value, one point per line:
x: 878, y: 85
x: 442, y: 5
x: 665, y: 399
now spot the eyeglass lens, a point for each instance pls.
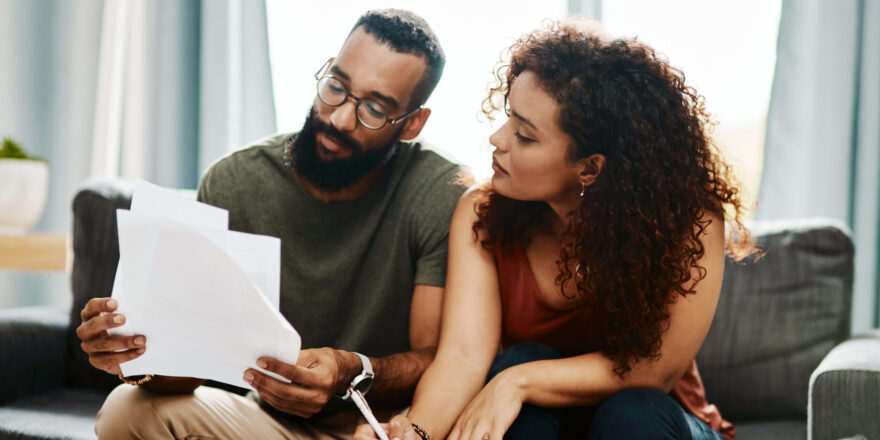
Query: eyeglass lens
x: 333, y: 92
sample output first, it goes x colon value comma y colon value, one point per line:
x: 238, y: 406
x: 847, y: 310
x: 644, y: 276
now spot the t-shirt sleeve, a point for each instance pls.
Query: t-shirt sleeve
x: 431, y: 230
x: 204, y: 185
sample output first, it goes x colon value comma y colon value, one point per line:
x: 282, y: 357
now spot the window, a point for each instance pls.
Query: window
x: 302, y: 35
x: 727, y: 51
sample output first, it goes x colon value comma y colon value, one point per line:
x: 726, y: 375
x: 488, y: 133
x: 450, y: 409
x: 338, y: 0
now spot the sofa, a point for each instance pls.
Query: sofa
x: 778, y: 360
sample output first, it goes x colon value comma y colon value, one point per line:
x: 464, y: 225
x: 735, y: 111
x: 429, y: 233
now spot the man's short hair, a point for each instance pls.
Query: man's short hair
x: 406, y: 32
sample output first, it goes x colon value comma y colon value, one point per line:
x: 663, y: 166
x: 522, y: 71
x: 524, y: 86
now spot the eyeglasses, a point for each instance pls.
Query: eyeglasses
x: 370, y: 113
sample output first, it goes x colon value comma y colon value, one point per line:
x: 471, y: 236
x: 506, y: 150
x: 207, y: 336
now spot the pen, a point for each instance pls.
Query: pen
x: 362, y: 405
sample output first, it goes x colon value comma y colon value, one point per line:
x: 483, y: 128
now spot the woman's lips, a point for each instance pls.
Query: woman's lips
x: 497, y: 167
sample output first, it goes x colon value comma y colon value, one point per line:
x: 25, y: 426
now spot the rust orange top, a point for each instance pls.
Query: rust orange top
x: 528, y: 317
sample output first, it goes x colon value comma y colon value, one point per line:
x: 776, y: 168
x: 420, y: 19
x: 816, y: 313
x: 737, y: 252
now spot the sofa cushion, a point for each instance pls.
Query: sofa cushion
x: 95, y: 257
x: 62, y: 414
x: 31, y: 351
x: 772, y: 430
x: 777, y: 318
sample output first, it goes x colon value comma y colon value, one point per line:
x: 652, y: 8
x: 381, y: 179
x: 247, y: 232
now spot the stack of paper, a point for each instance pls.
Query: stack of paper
x: 206, y: 298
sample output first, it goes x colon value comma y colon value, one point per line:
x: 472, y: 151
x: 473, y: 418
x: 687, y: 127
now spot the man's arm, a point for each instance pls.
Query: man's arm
x: 320, y: 373
x: 398, y: 374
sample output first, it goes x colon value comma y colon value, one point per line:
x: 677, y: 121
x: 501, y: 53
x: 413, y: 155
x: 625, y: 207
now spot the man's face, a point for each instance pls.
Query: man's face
x: 334, y: 150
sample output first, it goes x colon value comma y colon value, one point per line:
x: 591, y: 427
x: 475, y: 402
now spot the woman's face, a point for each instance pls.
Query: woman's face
x: 530, y: 159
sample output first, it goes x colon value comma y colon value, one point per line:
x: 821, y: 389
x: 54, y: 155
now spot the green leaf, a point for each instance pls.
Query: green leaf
x: 13, y: 150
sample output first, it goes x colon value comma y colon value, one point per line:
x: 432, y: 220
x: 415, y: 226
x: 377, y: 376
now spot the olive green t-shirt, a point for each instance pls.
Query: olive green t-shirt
x: 347, y: 268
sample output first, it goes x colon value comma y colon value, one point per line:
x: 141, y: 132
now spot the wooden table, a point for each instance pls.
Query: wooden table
x: 36, y: 252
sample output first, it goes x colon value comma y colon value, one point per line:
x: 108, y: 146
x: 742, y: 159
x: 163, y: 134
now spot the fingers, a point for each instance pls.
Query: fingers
x: 301, y: 401
x: 96, y: 306
x: 280, y: 368
x: 112, y: 344
x: 94, y: 326
x: 285, y: 406
x: 364, y: 432
x: 311, y: 373
x: 480, y: 430
x: 497, y: 431
x: 400, y: 428
x: 109, y: 362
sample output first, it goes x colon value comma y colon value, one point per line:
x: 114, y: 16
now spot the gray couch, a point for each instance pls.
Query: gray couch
x: 776, y: 325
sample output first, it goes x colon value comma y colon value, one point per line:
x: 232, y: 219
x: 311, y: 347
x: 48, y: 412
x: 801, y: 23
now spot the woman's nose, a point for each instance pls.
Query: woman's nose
x: 497, y: 140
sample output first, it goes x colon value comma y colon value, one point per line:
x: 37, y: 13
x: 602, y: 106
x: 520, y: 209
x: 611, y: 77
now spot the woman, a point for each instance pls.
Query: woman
x: 594, y: 258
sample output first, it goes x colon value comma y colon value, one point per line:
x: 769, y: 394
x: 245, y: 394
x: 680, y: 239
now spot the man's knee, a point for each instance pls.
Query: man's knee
x: 520, y: 354
x: 639, y: 413
x: 131, y: 412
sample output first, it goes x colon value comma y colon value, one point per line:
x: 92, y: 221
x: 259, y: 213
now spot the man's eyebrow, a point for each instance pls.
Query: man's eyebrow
x: 524, y: 120
x: 391, y: 102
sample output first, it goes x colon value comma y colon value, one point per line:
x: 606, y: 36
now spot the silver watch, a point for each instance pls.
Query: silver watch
x: 363, y: 381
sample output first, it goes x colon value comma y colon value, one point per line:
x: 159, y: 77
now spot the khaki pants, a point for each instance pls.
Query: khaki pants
x: 209, y: 413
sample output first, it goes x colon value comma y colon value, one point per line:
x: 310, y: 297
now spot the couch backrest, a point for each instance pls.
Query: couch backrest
x: 95, y: 257
x: 777, y: 318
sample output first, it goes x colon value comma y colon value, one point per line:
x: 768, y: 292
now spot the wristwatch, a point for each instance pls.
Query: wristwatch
x: 363, y: 381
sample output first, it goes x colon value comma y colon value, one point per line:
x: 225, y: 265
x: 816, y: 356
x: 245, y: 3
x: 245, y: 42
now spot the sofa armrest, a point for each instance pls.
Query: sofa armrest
x: 33, y: 345
x: 843, y: 399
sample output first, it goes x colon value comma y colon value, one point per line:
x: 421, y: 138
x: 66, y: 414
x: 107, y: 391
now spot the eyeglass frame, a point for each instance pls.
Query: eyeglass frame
x: 321, y: 74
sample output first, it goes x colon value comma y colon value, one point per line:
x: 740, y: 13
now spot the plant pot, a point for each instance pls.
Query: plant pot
x: 24, y: 186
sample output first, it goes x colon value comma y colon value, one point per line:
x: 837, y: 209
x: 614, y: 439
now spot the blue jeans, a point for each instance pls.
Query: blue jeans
x: 633, y: 414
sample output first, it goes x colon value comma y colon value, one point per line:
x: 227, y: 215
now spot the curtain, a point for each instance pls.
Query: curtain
x: 822, y: 151
x: 153, y: 89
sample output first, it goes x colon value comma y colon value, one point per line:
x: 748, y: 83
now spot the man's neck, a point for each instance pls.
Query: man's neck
x: 347, y: 194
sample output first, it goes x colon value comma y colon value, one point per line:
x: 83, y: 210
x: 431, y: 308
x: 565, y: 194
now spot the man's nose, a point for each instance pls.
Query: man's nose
x: 344, y: 117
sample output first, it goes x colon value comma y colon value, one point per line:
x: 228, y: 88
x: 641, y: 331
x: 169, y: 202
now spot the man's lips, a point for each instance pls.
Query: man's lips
x: 497, y: 167
x: 331, y: 144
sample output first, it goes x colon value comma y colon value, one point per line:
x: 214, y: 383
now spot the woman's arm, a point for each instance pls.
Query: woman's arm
x: 470, y: 331
x: 588, y: 379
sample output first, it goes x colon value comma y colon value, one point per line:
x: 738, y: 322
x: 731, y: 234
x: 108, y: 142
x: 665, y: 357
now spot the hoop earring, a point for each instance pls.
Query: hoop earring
x: 583, y: 188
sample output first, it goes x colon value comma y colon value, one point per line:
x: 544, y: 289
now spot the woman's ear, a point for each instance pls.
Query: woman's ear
x: 591, y: 167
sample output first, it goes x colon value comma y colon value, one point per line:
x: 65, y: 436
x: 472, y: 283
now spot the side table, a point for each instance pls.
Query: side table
x: 36, y: 252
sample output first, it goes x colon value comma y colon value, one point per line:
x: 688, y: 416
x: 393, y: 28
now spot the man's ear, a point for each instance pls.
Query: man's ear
x: 591, y: 167
x: 413, y: 124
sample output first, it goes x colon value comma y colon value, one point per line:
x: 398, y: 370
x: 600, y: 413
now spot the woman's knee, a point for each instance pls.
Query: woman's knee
x: 520, y: 354
x: 639, y: 413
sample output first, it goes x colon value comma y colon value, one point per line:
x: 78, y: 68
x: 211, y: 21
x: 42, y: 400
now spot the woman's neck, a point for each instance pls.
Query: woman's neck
x: 562, y: 210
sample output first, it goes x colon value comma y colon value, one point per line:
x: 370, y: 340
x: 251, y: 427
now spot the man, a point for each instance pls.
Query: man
x: 363, y: 218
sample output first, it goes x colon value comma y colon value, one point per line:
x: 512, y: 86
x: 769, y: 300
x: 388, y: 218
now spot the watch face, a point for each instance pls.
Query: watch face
x: 363, y: 385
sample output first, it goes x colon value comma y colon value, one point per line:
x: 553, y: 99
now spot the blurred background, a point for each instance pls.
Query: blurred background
x: 160, y: 89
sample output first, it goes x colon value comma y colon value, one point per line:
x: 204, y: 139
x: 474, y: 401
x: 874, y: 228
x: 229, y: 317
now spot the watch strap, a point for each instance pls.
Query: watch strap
x: 365, y: 374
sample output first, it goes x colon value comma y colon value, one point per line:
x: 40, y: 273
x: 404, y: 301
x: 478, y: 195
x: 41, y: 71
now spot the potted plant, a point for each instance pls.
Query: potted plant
x: 24, y: 185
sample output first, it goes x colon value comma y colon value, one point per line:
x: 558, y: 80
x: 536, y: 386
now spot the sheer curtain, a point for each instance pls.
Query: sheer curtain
x: 823, y: 129
x: 154, y: 89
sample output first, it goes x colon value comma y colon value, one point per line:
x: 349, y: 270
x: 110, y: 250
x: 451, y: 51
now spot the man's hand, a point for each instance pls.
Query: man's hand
x: 318, y: 374
x: 107, y: 352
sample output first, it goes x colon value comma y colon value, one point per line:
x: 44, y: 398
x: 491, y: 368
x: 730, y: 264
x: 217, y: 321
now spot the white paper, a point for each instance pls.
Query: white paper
x: 206, y: 298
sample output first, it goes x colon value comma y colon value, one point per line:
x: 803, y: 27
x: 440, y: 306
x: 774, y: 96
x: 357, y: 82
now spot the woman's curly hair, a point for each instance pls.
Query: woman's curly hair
x: 635, y: 240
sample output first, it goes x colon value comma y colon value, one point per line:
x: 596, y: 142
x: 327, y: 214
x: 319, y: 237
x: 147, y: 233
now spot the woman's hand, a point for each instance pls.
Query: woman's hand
x: 492, y: 411
x: 399, y: 428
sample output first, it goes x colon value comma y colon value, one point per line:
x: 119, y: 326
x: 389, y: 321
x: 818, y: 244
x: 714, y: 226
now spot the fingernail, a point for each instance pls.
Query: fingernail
x: 118, y: 319
x: 139, y: 340
x: 141, y: 350
x: 262, y: 364
x: 111, y: 304
x: 248, y: 377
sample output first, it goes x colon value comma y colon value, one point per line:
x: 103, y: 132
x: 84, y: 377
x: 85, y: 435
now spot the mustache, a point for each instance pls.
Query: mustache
x: 338, y: 136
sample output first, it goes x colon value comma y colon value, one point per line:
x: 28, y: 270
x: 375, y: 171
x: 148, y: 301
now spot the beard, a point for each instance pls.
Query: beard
x: 303, y: 159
